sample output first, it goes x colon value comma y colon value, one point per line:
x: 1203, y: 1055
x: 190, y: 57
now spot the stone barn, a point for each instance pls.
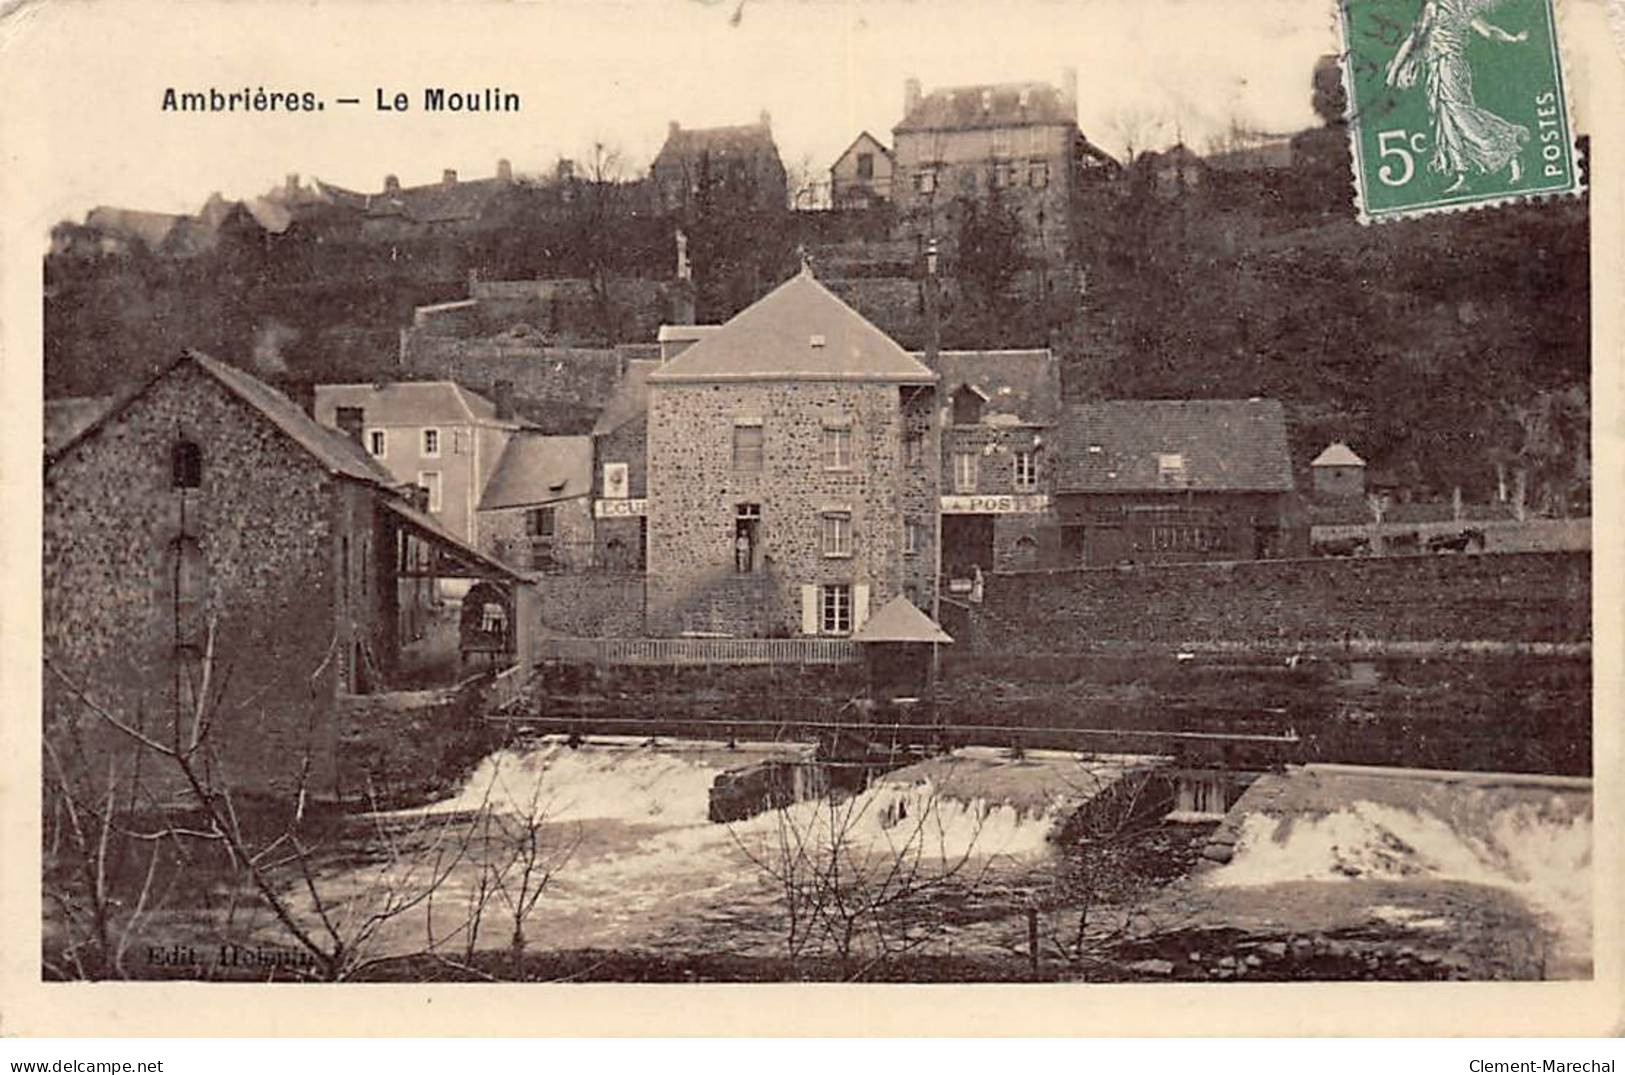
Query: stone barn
x: 207, y: 523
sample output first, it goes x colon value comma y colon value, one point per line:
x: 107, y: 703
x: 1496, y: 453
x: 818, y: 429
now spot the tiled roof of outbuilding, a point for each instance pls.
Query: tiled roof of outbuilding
x: 1021, y: 387
x: 1338, y: 455
x: 536, y: 469
x: 899, y: 621
x: 1226, y: 445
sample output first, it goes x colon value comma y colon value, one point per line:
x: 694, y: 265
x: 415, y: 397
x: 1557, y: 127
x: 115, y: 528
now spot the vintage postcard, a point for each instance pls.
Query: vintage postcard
x: 812, y: 497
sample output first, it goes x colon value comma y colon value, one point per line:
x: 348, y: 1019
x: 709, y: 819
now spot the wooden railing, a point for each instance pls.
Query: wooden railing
x: 699, y: 651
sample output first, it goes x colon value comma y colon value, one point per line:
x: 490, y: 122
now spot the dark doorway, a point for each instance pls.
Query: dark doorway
x: 967, y: 543
x: 747, y: 537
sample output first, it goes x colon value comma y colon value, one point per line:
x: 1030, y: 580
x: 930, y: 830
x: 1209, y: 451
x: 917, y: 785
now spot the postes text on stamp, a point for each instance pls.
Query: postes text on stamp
x: 1454, y: 104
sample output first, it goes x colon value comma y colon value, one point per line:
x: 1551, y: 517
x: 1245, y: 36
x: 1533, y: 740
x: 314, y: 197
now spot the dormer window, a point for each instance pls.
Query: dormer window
x: 967, y: 402
x: 1171, y: 469
x: 186, y: 465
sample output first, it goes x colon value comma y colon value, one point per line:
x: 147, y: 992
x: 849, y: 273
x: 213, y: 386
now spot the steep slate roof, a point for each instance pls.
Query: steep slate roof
x: 721, y: 143
x: 1019, y: 387
x: 405, y: 403
x: 858, y: 141
x: 66, y: 418
x: 337, y: 453
x: 1228, y: 445
x: 536, y: 469
x: 150, y: 228
x: 1011, y: 104
x: 774, y: 339
x: 899, y: 621
x: 631, y: 398
x: 462, y: 200
x: 432, y: 202
x: 1338, y: 455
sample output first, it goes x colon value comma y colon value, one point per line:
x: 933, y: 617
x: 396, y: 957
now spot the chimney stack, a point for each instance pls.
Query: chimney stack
x: 911, y: 95
x: 672, y: 128
x: 418, y: 496
x: 291, y: 187
x: 350, y: 421
x: 765, y: 120
x: 502, y: 397
x: 1069, y: 89
x: 391, y: 184
x: 449, y: 176
x: 505, y: 170
x: 302, y: 393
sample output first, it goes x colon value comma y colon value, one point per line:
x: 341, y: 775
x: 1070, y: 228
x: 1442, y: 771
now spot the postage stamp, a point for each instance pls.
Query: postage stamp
x: 1454, y: 103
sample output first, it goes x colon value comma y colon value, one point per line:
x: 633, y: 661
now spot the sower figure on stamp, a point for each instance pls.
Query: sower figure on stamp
x: 1465, y: 136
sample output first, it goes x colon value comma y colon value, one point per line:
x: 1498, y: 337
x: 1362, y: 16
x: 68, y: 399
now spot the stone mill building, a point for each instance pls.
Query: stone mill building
x: 793, y: 472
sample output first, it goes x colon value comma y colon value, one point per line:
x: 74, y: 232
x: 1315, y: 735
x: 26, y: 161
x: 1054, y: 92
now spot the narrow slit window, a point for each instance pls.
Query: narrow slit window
x: 186, y: 465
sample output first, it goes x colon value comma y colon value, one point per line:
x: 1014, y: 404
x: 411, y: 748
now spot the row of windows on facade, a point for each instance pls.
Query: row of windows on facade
x: 835, y: 530
x: 748, y: 455
x: 429, y: 443
x: 186, y: 471
x: 1001, y: 174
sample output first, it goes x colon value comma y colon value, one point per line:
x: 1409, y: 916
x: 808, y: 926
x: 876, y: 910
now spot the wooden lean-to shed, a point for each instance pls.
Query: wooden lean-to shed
x: 898, y: 644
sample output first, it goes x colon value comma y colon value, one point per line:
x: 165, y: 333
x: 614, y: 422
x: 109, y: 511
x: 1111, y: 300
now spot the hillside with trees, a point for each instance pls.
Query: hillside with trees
x: 1451, y: 351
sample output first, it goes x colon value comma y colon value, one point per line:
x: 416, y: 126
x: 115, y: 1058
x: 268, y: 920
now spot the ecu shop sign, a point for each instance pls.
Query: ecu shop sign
x: 1454, y: 104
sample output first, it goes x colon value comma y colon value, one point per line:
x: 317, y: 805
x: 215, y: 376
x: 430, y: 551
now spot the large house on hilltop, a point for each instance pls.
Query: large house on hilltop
x: 207, y: 513
x: 1017, y: 141
x: 861, y: 176
x: 1167, y: 481
x: 792, y: 472
x: 734, y: 165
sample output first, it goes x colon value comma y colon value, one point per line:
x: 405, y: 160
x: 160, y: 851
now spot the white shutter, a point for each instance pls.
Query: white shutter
x: 809, y: 610
x: 860, y: 604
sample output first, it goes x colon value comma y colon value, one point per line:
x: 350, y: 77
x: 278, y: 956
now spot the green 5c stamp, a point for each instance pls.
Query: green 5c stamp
x: 1454, y: 103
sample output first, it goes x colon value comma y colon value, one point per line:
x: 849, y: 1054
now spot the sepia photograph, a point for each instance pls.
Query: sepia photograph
x: 1082, y: 494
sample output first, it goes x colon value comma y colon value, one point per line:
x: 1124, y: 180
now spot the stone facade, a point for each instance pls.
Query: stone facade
x: 135, y: 568
x: 1028, y: 168
x: 508, y: 534
x: 695, y: 492
x: 1339, y: 482
x: 1017, y: 512
x: 210, y: 499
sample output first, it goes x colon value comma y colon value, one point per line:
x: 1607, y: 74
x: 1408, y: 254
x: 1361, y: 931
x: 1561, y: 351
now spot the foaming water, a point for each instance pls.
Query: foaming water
x: 1540, y: 850
x: 639, y: 862
x: 563, y: 783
